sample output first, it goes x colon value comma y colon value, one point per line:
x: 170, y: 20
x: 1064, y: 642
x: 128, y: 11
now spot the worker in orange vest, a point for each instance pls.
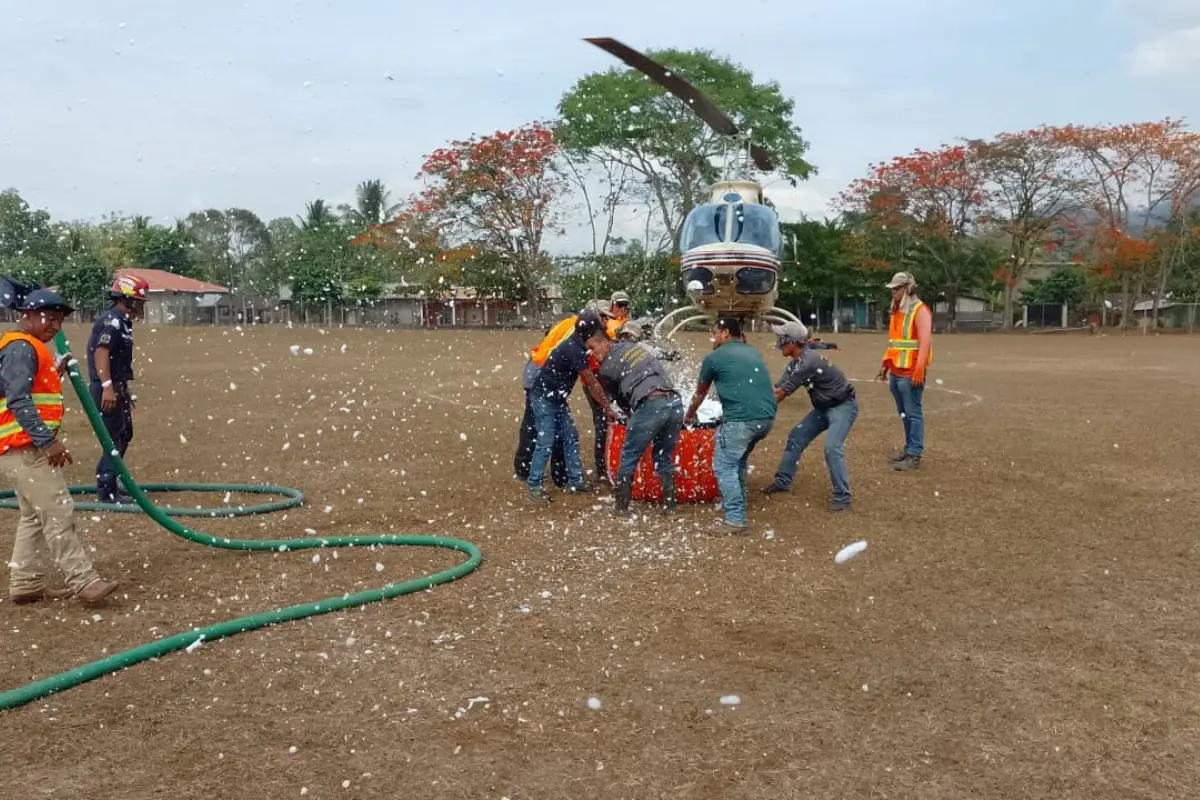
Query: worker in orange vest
x: 32, y: 454
x: 908, y: 356
x: 527, y: 438
x: 620, y: 310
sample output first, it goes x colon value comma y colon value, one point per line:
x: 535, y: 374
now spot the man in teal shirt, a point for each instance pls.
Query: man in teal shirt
x: 748, y: 402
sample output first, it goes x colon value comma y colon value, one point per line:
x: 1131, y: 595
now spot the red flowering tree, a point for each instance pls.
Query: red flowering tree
x: 933, y: 202
x: 497, y: 191
x: 1138, y: 177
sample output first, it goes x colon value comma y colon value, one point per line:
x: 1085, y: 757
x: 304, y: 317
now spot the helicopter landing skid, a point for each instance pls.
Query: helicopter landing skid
x: 773, y: 315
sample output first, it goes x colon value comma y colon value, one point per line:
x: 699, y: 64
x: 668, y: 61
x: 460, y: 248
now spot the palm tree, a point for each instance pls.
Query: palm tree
x: 372, y: 206
x: 317, y: 214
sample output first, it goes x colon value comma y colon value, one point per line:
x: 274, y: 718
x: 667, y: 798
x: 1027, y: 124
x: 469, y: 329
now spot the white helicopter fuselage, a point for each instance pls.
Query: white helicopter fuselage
x: 730, y: 251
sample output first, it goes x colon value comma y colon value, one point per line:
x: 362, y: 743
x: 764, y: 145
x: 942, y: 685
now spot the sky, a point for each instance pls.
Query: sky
x: 160, y: 109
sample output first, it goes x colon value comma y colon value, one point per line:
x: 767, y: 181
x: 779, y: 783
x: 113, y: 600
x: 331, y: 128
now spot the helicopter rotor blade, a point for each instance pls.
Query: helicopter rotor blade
x: 704, y: 108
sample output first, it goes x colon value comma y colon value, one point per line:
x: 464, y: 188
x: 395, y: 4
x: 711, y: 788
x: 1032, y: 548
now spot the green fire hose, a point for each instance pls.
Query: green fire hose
x: 180, y: 641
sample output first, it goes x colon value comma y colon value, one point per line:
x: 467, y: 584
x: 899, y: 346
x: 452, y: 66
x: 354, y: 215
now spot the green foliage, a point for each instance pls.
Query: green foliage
x: 373, y: 206
x: 156, y: 247
x: 624, y: 116
x: 84, y: 281
x: 647, y: 277
x: 819, y: 262
x: 1066, y: 284
x: 28, y: 247
x: 324, y: 267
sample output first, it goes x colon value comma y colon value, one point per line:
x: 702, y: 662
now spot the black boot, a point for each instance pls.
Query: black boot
x: 668, y: 489
x: 624, y: 496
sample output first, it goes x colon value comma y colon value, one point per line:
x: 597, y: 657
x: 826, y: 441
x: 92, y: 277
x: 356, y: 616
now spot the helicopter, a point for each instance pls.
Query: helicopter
x: 731, y: 245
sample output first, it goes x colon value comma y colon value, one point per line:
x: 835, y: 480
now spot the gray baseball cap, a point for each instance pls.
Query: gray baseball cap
x: 633, y: 328
x: 790, y: 333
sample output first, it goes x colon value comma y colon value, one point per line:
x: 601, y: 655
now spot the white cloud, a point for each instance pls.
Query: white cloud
x: 1169, y: 37
x: 1173, y: 55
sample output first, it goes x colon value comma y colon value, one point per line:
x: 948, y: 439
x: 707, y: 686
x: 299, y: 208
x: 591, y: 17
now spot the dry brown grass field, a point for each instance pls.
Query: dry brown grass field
x: 1024, y: 624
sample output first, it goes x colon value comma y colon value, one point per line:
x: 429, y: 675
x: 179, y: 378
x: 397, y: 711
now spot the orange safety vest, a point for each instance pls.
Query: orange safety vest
x: 902, y: 341
x: 47, y: 395
x: 613, y: 326
x: 559, y: 332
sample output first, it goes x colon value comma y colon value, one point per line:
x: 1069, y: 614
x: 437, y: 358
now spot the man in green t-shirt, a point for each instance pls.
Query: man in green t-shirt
x: 748, y: 402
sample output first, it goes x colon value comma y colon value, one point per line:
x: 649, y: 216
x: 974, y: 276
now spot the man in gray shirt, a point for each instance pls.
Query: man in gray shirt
x: 834, y: 409
x: 32, y: 455
x: 640, y: 385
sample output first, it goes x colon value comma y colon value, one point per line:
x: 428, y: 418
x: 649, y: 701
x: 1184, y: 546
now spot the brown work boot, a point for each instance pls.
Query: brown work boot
x: 96, y: 592
x: 897, y: 457
x: 39, y: 595
x: 907, y: 464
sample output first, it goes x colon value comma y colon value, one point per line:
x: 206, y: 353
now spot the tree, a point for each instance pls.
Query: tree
x: 373, y: 206
x: 157, y: 247
x: 611, y: 178
x: 1133, y: 179
x: 624, y: 117
x: 819, y: 264
x: 498, y: 190
x: 80, y: 276
x: 1066, y: 284
x: 27, y: 240
x: 317, y: 213
x: 934, y: 200
x: 646, y: 276
x: 1032, y: 185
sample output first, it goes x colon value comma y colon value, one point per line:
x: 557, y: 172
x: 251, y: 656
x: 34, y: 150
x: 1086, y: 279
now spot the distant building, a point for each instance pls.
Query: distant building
x: 403, y: 305
x: 176, y: 300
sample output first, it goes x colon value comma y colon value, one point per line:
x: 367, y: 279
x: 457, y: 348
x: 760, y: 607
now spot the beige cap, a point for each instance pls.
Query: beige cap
x: 603, y: 307
x: 901, y: 279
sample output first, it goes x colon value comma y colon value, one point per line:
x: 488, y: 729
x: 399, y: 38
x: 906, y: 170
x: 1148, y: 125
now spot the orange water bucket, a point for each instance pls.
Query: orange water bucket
x: 694, y: 479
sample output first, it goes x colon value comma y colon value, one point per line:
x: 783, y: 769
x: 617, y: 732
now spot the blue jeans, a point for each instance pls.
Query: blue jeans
x: 658, y: 421
x: 735, y: 442
x: 553, y: 420
x: 837, y: 421
x: 908, y: 405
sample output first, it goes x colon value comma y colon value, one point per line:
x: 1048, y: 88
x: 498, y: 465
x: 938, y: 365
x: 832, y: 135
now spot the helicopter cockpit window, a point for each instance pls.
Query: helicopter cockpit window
x: 704, y: 225
x: 758, y: 225
x: 751, y: 224
x: 755, y: 280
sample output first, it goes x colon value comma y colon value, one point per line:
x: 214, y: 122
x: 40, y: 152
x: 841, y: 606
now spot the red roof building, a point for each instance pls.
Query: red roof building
x: 177, y: 300
x: 163, y: 281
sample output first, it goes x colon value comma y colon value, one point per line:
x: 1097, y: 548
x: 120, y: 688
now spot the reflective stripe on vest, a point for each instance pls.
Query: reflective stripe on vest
x: 903, y: 344
x: 47, y: 395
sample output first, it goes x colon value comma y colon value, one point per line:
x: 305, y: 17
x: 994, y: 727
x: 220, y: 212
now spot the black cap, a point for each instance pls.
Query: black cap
x: 588, y: 324
x: 44, y: 300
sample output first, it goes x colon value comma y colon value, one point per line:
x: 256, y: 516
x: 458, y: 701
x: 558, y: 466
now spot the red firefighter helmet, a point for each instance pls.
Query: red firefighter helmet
x: 129, y: 287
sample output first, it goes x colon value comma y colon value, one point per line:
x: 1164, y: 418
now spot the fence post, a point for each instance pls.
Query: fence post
x: 1025, y: 316
x: 1064, y: 315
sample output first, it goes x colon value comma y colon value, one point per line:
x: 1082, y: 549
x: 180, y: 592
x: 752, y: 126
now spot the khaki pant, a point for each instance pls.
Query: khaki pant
x: 47, y: 525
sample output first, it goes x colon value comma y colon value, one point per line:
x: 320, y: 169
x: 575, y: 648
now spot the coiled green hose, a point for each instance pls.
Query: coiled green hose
x: 66, y: 680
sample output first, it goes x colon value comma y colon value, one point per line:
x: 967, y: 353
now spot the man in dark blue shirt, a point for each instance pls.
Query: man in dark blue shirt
x: 567, y: 363
x: 110, y: 369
